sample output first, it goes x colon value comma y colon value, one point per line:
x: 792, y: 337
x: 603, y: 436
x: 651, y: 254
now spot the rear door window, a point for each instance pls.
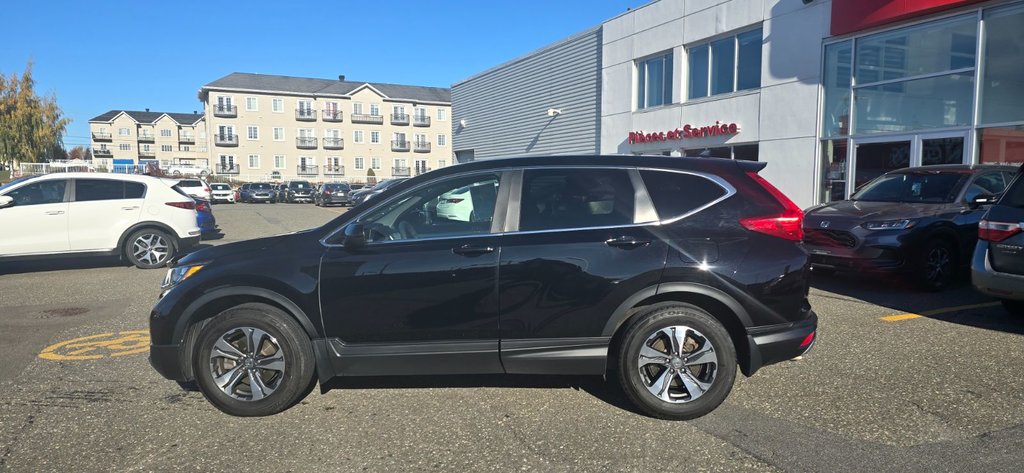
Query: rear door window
x: 675, y: 194
x: 554, y: 199
x: 90, y: 190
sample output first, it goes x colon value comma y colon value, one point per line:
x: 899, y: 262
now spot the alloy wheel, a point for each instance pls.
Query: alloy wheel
x: 677, y: 364
x: 937, y: 263
x: 150, y: 248
x: 247, y: 364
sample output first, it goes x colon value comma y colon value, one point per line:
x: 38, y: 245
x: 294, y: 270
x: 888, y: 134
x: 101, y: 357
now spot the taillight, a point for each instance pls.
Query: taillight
x: 202, y: 206
x: 787, y: 224
x: 997, y: 231
x: 454, y: 201
x: 207, y: 190
x: 190, y: 205
x: 807, y: 340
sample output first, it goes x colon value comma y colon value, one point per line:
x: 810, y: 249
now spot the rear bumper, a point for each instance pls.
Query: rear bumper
x: 776, y: 343
x: 185, y: 244
x: 989, y: 281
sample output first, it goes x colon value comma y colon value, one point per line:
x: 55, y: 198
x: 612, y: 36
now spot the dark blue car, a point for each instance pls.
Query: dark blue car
x: 205, y: 219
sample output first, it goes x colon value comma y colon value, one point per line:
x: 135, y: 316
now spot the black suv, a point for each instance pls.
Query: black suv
x: 920, y: 221
x: 296, y: 191
x: 663, y: 273
x: 332, y: 193
x: 997, y: 268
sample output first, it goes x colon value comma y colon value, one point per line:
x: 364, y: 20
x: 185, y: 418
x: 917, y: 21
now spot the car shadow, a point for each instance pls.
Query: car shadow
x: 596, y: 386
x: 959, y: 304
x: 61, y: 264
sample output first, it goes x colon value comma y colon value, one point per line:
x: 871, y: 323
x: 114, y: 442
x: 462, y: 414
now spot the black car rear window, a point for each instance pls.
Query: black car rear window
x: 343, y: 187
x: 922, y: 187
x: 675, y: 194
x: 299, y: 185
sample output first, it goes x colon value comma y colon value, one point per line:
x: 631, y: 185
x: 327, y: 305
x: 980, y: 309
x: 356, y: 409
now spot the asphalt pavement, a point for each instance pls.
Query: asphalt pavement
x: 899, y: 380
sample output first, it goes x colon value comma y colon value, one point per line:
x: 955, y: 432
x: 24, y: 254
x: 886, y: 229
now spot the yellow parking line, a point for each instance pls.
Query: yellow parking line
x: 944, y: 310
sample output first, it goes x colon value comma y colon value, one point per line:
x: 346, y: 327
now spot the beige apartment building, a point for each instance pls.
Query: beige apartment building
x: 267, y: 127
x: 129, y: 139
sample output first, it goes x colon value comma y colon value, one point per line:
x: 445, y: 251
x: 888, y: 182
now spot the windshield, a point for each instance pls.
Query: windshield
x: 14, y: 183
x: 299, y: 185
x: 925, y: 187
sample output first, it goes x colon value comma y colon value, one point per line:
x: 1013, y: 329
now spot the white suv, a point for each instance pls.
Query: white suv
x: 140, y: 218
x: 222, y: 193
x: 196, y: 188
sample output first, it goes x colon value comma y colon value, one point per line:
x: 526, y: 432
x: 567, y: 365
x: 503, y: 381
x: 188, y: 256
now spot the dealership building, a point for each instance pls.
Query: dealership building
x: 828, y: 93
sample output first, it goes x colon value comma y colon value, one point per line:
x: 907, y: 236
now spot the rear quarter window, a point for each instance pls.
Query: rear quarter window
x: 190, y: 183
x: 676, y: 194
x: 1014, y: 196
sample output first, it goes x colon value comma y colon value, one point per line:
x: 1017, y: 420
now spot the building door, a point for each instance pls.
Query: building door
x: 421, y: 166
x: 873, y: 157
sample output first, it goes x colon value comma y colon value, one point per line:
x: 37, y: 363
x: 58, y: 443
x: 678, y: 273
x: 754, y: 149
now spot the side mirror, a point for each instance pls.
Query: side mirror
x: 6, y: 201
x: 355, y: 236
x: 983, y: 199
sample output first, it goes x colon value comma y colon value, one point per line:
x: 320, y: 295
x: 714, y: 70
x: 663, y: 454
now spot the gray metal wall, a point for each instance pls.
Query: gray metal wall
x: 505, y: 108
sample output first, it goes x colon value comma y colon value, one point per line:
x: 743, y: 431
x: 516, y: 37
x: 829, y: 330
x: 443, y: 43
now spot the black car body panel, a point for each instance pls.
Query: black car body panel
x: 505, y: 301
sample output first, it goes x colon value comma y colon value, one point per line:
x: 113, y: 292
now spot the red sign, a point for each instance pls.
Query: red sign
x: 855, y: 15
x: 684, y: 133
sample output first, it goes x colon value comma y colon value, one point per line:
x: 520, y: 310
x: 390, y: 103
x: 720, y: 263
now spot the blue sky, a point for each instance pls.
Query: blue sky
x: 97, y: 56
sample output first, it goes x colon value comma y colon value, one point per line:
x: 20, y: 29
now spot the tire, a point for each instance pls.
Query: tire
x: 820, y: 271
x: 1013, y: 307
x: 709, y: 383
x: 149, y: 248
x: 287, y: 379
x: 936, y: 266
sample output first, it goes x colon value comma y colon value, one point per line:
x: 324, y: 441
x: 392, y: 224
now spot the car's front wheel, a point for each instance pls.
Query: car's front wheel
x: 1013, y: 307
x: 676, y: 362
x: 937, y: 265
x: 149, y: 248
x: 253, y: 360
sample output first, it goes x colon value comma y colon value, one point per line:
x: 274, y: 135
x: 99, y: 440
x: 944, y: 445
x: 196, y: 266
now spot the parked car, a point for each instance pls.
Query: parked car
x: 332, y: 193
x: 197, y: 188
x: 178, y: 170
x: 256, y: 192
x: 367, y: 193
x: 665, y: 274
x: 917, y: 221
x: 145, y: 220
x: 277, y: 191
x: 296, y: 191
x: 997, y: 268
x: 221, y: 193
x: 205, y: 219
x: 458, y: 204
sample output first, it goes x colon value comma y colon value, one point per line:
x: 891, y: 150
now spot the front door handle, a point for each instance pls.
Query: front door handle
x: 130, y: 208
x: 627, y: 243
x: 55, y: 212
x: 472, y: 250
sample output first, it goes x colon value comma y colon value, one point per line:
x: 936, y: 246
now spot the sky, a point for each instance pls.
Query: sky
x: 102, y: 55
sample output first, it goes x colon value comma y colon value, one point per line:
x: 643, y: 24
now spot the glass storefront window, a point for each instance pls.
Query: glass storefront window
x: 875, y: 159
x: 748, y: 67
x: 833, y: 170
x: 935, y: 102
x: 1002, y: 85
x: 838, y: 67
x: 698, y: 72
x: 1001, y: 145
x: 942, y: 151
x: 745, y: 152
x: 926, y: 49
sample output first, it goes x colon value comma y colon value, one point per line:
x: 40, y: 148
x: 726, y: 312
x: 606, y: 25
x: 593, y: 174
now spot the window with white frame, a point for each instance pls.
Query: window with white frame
x: 166, y: 148
x: 165, y: 132
x: 253, y: 132
x: 375, y: 163
x: 124, y: 147
x: 441, y: 163
x: 103, y: 146
x: 305, y: 107
x: 654, y: 81
x: 278, y: 133
x: 420, y: 139
x: 279, y: 161
x: 442, y: 114
x: 398, y: 137
x: 184, y: 148
x: 357, y: 136
x: 420, y: 113
x: 359, y: 163
x: 226, y: 131
x: 375, y: 137
x: 374, y: 109
x: 277, y: 105
x: 357, y: 108
x: 254, y: 161
x: 251, y: 104
x: 123, y: 132
x: 442, y: 140
x: 725, y: 65
x: 398, y: 110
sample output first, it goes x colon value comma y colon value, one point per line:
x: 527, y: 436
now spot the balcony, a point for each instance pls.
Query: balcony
x: 399, y: 145
x: 147, y: 138
x: 227, y: 168
x: 303, y: 142
x: 225, y: 140
x: 307, y: 170
x: 420, y: 120
x: 334, y: 170
x: 334, y: 143
x: 186, y: 139
x: 400, y: 172
x: 102, y: 136
x: 305, y: 115
x: 332, y: 115
x: 371, y: 119
x: 147, y: 154
x: 421, y: 146
x: 101, y: 152
x: 399, y: 119
x: 225, y: 111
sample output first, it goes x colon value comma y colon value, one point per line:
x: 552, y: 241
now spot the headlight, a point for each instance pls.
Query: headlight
x: 178, y: 274
x: 889, y: 225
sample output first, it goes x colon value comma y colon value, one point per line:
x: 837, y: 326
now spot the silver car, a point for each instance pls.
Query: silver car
x: 997, y: 268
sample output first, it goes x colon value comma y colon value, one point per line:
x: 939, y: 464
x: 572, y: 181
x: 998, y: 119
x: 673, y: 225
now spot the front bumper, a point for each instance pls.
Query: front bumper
x: 223, y: 198
x: 777, y: 343
x: 877, y: 251
x: 994, y: 283
x: 166, y: 360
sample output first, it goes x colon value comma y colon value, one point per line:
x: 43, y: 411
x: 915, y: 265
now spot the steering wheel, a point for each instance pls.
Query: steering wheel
x: 385, y: 232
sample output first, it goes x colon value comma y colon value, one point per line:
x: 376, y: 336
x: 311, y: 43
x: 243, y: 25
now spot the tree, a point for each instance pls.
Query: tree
x: 31, y: 127
x: 78, y: 152
x: 371, y: 178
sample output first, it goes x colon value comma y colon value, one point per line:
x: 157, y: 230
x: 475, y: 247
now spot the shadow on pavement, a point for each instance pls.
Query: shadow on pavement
x: 61, y: 264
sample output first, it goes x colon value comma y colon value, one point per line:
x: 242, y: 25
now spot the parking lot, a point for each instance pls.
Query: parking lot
x: 899, y: 381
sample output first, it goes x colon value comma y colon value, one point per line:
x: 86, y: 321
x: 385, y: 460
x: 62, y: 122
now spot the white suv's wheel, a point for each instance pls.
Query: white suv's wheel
x: 149, y: 248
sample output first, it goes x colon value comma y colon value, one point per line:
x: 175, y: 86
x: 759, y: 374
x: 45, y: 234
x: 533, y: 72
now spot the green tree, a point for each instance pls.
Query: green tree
x: 31, y: 127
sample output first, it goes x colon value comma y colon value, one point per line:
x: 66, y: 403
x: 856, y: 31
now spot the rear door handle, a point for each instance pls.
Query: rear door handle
x: 627, y: 243
x: 471, y: 250
x: 55, y: 212
x: 130, y: 208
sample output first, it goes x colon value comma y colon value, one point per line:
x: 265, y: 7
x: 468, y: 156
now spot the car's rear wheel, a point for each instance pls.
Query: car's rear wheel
x: 1013, y: 307
x: 253, y: 360
x: 149, y: 248
x: 937, y: 265
x: 676, y: 362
